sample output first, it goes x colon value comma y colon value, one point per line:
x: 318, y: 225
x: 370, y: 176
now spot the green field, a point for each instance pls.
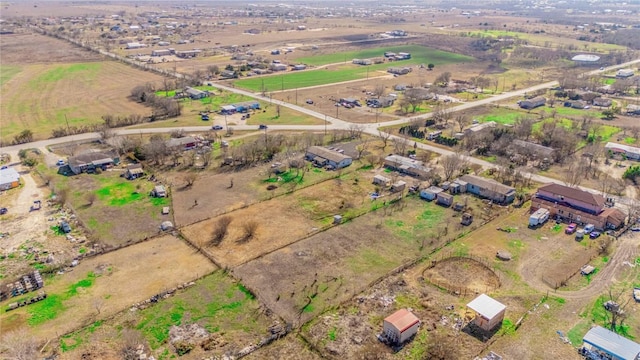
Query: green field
x: 501, y: 116
x: 7, y: 72
x: 419, y: 55
x: 79, y: 72
x: 604, y: 132
x: 347, y: 72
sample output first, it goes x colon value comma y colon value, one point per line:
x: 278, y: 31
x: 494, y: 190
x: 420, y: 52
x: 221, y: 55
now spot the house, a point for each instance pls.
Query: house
x: 89, y: 161
x: 323, y: 157
x: 602, y: 102
x: 134, y: 171
x: 299, y: 67
x: 383, y: 101
x: 444, y: 199
x: 624, y: 73
x: 489, y: 312
x: 529, y: 148
x: 586, y: 59
x: 399, y: 70
x: 489, y: 189
x: 135, y: 45
x: 532, y: 103
x: 633, y: 109
x: 400, y: 326
x: 605, y: 344
x: 161, y: 52
x: 575, y: 104
x: 350, y: 101
x: 188, y: 53
x: 629, y: 152
x: 243, y: 107
x: 362, y: 61
x: 478, y: 128
x: 159, y: 191
x: 430, y: 193
x: 228, y: 74
x: 463, y: 185
x: 183, y: 143
x: 406, y: 165
x: 9, y: 178
x: 577, y: 206
x: 381, y: 180
x: 196, y: 94
x: 227, y: 109
x: 278, y: 67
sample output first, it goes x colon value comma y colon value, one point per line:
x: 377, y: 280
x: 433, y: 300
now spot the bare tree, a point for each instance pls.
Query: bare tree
x: 355, y: 131
x: 131, y: 340
x: 62, y: 196
x: 189, y: 179
x: 98, y: 304
x: 156, y: 149
x: 414, y: 98
x: 362, y: 148
x: 574, y: 173
x: 443, y: 79
x: 400, y: 145
x: 462, y: 121
x: 451, y: 164
x: 19, y: 345
x: 220, y: 230
x: 378, y: 91
x: 90, y: 198
x: 384, y: 136
x: 250, y: 227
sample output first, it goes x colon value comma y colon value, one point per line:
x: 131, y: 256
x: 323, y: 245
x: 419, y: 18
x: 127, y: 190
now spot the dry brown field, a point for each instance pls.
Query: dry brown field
x: 120, y: 278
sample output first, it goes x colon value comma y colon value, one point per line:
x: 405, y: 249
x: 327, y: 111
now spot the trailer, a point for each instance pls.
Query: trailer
x: 539, y: 217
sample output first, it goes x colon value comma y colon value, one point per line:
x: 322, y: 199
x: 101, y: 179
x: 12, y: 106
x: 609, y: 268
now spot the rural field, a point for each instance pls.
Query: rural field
x: 74, y: 89
x: 102, y: 286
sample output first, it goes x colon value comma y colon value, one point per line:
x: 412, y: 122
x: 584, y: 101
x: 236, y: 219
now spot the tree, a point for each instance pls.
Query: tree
x: 19, y: 345
x: 355, y: 131
x: 378, y: 91
x: 430, y: 66
x: 62, y: 196
x: 220, y: 230
x: 574, y: 173
x: 25, y: 136
x: 213, y: 70
x: 90, y: 198
x: 414, y: 98
x: 443, y: 79
x: 190, y: 178
x: 608, y: 114
x: 362, y: 148
x: 400, y: 145
x: 450, y: 164
x: 156, y: 149
x: 384, y: 136
x: 250, y: 227
x: 462, y: 121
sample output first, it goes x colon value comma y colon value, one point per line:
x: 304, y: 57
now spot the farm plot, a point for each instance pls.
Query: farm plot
x: 115, y: 211
x: 68, y: 94
x: 302, y: 279
x: 102, y: 286
x: 33, y: 48
x: 229, y: 318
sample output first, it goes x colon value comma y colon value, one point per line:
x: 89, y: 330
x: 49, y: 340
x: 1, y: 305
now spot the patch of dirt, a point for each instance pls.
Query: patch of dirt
x: 33, y: 48
x: 463, y: 274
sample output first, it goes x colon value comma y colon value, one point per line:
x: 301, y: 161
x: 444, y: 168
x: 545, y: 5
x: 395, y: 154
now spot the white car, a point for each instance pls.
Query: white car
x: 60, y: 162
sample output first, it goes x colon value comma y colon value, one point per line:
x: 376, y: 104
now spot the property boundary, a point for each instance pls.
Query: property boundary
x: 461, y: 291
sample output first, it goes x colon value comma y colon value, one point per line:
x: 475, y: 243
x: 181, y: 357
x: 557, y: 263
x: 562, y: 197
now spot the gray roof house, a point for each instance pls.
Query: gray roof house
x: 609, y: 345
x: 489, y: 189
x: 196, y: 94
x: 323, y: 157
x: 91, y: 160
x: 406, y: 165
x: 9, y: 178
x: 533, y: 103
x: 521, y: 146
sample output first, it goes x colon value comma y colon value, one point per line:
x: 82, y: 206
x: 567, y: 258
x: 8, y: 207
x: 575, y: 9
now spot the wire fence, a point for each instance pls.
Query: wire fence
x: 459, y: 290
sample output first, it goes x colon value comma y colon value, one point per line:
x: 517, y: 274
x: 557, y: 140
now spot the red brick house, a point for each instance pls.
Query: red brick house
x: 578, y: 206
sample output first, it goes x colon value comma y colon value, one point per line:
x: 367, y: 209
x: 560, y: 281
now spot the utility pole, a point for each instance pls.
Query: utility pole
x: 325, y: 124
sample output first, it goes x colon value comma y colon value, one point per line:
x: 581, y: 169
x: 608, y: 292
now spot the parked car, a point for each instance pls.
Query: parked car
x: 3, y: 210
x: 262, y: 127
x: 60, y: 162
x: 571, y: 228
x: 217, y: 127
x: 309, y: 101
x: 589, y: 228
x: 594, y: 234
x: 64, y: 226
x: 635, y: 228
x: 579, y: 235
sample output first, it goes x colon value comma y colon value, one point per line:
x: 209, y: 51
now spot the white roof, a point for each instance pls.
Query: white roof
x: 486, y: 306
x: 8, y: 176
x: 585, y: 57
x: 626, y: 148
x: 612, y: 343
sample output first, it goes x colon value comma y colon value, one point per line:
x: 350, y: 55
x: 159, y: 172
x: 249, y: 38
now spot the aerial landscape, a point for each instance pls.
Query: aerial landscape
x: 320, y: 180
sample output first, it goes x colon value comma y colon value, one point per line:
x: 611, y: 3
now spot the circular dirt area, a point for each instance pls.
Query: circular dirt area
x: 461, y: 275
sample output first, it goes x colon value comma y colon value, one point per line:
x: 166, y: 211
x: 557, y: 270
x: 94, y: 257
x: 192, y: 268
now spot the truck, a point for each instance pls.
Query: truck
x: 579, y: 235
x: 539, y: 217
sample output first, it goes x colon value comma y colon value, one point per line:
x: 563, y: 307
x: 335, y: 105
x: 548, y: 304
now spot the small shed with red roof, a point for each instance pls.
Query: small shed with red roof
x: 400, y: 326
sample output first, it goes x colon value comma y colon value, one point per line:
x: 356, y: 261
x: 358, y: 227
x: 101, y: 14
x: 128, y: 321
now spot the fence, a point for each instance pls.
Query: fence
x: 462, y: 291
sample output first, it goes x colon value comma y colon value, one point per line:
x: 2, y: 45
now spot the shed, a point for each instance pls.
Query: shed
x: 9, y: 178
x: 454, y: 188
x: 381, y: 180
x: 134, y: 171
x: 159, y: 191
x: 587, y: 269
x: 489, y: 312
x: 400, y: 326
x: 430, y: 193
x: 442, y: 198
x: 604, y: 342
x: 398, y: 186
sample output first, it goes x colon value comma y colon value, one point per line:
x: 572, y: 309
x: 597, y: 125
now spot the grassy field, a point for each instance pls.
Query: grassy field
x: 604, y: 132
x: 76, y: 94
x: 501, y: 116
x: 217, y: 303
x: 419, y: 55
x: 122, y: 211
x: 7, y: 72
x: 346, y: 72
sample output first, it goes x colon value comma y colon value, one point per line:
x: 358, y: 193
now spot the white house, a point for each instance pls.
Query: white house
x: 9, y: 178
x: 400, y: 326
x: 489, y: 312
x: 624, y: 73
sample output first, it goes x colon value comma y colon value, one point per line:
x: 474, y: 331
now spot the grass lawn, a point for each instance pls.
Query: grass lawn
x: 77, y: 72
x: 301, y: 79
x: 7, y: 72
x: 501, y: 116
x: 419, y: 55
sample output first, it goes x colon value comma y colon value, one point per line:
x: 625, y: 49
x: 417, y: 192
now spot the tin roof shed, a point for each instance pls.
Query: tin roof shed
x: 612, y: 343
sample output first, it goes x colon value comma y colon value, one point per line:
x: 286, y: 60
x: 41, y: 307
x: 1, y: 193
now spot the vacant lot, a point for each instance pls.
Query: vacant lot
x: 344, y: 259
x: 63, y: 94
x: 104, y: 285
x: 114, y: 210
x: 28, y: 48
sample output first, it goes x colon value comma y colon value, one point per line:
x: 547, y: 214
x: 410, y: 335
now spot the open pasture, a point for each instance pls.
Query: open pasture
x: 67, y: 94
x: 102, y: 286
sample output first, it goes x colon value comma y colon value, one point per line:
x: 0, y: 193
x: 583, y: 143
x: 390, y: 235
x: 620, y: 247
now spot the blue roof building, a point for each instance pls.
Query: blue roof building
x: 601, y: 341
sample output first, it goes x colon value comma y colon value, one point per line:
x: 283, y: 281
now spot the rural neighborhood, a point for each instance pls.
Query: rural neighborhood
x: 320, y: 181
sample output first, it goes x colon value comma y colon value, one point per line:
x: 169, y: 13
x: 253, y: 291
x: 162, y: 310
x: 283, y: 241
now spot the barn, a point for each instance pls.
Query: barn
x: 400, y: 326
x: 601, y: 343
x: 489, y: 312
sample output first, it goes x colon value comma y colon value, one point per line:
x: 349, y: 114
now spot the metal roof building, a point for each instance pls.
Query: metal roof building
x: 586, y: 58
x: 490, y: 311
x: 9, y: 178
x: 617, y: 347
